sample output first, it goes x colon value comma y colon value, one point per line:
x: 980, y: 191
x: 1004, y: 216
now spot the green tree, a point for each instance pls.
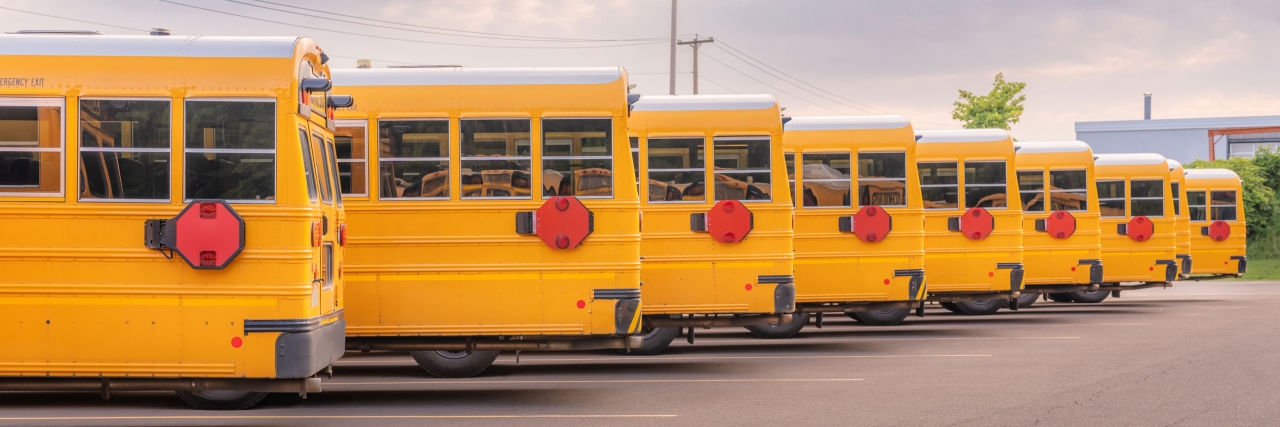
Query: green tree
x: 999, y: 109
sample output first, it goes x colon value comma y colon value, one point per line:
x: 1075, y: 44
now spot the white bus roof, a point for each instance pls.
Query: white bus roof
x: 1051, y: 147
x: 467, y: 76
x: 147, y: 46
x: 1173, y: 164
x: 846, y: 123
x: 704, y: 102
x: 1128, y: 159
x: 963, y: 135
x: 1212, y: 173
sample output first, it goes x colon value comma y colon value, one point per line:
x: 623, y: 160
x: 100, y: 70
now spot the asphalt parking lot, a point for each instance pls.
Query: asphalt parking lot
x: 1200, y: 353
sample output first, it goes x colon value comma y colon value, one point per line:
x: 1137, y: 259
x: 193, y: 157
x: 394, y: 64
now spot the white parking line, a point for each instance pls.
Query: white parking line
x: 329, y: 417
x: 447, y: 382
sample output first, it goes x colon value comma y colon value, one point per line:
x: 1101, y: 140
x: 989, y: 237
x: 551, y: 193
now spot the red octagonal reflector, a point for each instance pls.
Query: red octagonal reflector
x: 208, y: 234
x: 729, y: 221
x: 977, y: 223
x: 1060, y: 224
x: 1219, y: 230
x: 563, y: 222
x: 872, y: 224
x: 1140, y: 228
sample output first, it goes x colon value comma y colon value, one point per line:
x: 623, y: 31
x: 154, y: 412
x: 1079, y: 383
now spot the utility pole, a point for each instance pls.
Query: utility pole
x: 673, y: 47
x: 696, y: 42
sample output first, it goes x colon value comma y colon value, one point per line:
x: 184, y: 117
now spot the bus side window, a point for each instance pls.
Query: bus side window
x: 790, y: 160
x: 308, y: 165
x: 231, y: 150
x: 414, y: 159
x: 353, y: 165
x: 124, y: 150
x: 31, y: 146
x: 577, y: 157
x: 322, y: 165
x: 331, y: 163
x: 1177, y: 197
x: 496, y: 158
x: 1197, y: 209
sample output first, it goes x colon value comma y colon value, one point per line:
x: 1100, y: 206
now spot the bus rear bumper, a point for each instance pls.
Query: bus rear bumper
x: 305, y: 346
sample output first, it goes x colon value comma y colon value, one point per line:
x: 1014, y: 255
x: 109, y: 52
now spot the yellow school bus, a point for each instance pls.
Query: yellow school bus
x: 454, y: 254
x: 719, y: 256
x: 1178, y: 191
x: 1062, y: 244
x: 859, y: 231
x: 170, y: 216
x: 1216, y: 209
x: 1139, y: 230
x: 972, y: 218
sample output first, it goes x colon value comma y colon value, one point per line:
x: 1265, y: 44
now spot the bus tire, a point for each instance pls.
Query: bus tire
x: 980, y: 307
x: 454, y: 364
x: 1089, y: 297
x: 886, y: 317
x: 1026, y: 299
x: 784, y: 330
x: 950, y: 306
x: 222, y: 400
x: 656, y: 340
x: 1061, y: 297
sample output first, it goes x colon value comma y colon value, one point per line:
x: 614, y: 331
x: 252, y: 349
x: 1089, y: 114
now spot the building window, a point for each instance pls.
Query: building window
x: 742, y: 169
x: 939, y: 185
x: 676, y: 170
x: 413, y: 159
x: 1146, y: 197
x: 882, y: 179
x: 985, y: 185
x: 1031, y: 188
x: 1223, y: 205
x: 577, y: 157
x: 30, y: 147
x: 496, y: 159
x: 1069, y: 190
x: 790, y: 160
x: 1111, y: 198
x: 350, y: 142
x: 124, y: 150
x: 827, y: 180
x: 231, y: 150
x: 1197, y: 209
x: 1177, y: 198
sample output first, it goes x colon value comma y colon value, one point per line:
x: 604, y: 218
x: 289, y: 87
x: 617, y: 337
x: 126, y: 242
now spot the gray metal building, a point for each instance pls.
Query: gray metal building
x: 1183, y: 140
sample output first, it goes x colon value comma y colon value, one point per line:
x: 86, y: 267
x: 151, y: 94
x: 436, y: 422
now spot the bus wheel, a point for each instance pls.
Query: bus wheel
x: 656, y: 340
x: 950, y: 306
x: 1026, y: 299
x: 1061, y: 297
x: 886, y: 317
x: 980, y: 307
x: 454, y: 364
x: 783, y: 330
x: 1089, y: 297
x: 222, y: 400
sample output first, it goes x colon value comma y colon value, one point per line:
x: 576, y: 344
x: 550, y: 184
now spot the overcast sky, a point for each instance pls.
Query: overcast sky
x: 1082, y: 60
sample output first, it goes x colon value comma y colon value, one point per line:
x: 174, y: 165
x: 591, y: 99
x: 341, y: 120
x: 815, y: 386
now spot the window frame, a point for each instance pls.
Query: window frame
x: 853, y: 169
x: 543, y: 158
x: 61, y: 103
x: 322, y: 166
x: 648, y: 152
x: 1205, y: 206
x: 535, y: 141
x: 1175, y: 189
x: 364, y: 126
x: 274, y: 151
x: 450, y: 133
x: 308, y: 165
x: 789, y: 162
x: 1163, y: 185
x: 709, y: 162
x: 959, y: 166
x: 80, y: 148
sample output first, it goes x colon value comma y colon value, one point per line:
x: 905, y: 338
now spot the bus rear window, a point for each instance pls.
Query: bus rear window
x: 939, y: 185
x: 230, y: 148
x: 577, y: 157
x: 984, y: 185
x: 1146, y: 198
x: 741, y: 168
x: 30, y: 148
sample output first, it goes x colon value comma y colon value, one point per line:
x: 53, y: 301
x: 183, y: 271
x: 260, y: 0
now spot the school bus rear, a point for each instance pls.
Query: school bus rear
x: 1216, y: 212
x: 1062, y: 248
x: 1139, y: 232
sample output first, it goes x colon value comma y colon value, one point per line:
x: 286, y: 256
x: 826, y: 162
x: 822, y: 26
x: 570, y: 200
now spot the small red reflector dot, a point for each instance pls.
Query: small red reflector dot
x: 728, y: 207
x: 1151, y: 269
x: 236, y: 342
x: 562, y: 203
x: 562, y: 241
x: 991, y: 274
x: 1225, y: 262
x: 871, y: 237
x: 871, y: 211
x: 582, y: 304
x: 208, y: 258
x: 977, y: 235
x: 748, y: 287
x: 1073, y: 269
x: 208, y: 210
x: 886, y: 281
x: 728, y: 237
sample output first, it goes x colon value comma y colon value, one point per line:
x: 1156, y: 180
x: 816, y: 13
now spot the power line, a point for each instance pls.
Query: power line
x: 534, y: 38
x: 293, y: 12
x: 704, y: 77
x: 400, y: 39
x: 771, y: 86
x: 793, y: 84
x: 73, y: 19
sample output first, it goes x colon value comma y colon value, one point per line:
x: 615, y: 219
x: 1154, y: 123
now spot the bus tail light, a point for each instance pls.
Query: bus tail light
x: 562, y: 222
x: 342, y: 234
x: 1218, y: 231
x: 209, y: 236
x: 317, y: 235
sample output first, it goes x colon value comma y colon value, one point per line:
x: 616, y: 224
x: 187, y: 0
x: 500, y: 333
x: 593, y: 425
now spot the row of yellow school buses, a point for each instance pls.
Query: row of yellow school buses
x: 226, y: 216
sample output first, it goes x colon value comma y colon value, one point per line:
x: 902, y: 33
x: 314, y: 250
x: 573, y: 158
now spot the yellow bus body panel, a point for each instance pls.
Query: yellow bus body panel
x: 81, y: 296
x: 687, y: 272
x: 456, y: 267
x: 833, y: 266
x: 1214, y: 257
x: 1053, y: 261
x: 1178, y: 175
x: 953, y: 262
x: 1126, y: 260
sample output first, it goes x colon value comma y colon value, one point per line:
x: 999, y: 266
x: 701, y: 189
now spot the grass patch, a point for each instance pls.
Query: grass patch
x: 1263, y: 269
